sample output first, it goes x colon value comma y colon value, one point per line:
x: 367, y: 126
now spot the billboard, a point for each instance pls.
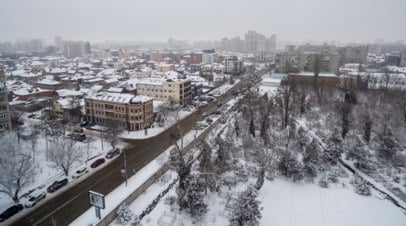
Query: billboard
x: 96, y: 199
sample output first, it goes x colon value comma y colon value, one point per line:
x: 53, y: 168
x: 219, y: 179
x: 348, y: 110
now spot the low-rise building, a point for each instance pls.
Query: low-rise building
x: 177, y: 91
x: 126, y: 110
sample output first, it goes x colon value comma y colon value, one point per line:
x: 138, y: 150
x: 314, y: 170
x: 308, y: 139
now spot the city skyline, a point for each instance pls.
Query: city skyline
x: 98, y: 21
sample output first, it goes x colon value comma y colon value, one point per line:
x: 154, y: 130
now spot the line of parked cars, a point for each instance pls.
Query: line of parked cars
x: 33, y: 197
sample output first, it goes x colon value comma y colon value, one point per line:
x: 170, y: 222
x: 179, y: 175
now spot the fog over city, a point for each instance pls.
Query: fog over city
x: 134, y: 20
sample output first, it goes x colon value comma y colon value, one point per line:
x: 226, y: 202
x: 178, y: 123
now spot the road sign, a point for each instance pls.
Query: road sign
x: 96, y: 199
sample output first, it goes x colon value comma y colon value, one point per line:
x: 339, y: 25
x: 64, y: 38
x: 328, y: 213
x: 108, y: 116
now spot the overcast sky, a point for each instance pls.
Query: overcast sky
x: 157, y: 20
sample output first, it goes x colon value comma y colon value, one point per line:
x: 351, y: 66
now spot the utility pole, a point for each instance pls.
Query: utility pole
x: 124, y: 171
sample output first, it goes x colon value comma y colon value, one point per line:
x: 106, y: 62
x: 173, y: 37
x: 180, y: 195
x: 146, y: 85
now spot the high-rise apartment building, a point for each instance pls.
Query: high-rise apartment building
x: 403, y: 58
x: 5, y: 121
x: 254, y: 41
x: 233, y: 65
x: 59, y: 43
x: 6, y: 47
x: 354, y: 54
x: 74, y: 49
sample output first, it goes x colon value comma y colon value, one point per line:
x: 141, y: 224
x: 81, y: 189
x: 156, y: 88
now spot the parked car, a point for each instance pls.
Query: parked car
x: 83, y: 124
x: 209, y: 120
x: 56, y: 185
x: 10, y: 212
x: 80, y: 172
x: 204, y: 104
x: 113, y: 152
x: 77, y: 136
x: 97, y: 163
x: 78, y: 130
x: 34, y: 198
x: 31, y: 115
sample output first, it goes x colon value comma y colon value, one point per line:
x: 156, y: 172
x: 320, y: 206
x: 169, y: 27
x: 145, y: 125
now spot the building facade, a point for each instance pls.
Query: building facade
x: 354, y: 54
x: 125, y: 110
x: 233, y: 65
x: 177, y: 91
x: 5, y: 121
x: 73, y: 49
x: 403, y: 58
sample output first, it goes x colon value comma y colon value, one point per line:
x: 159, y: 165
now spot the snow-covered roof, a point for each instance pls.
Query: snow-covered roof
x: 68, y: 92
x: 49, y: 82
x: 151, y: 81
x: 320, y: 74
x: 115, y: 90
x: 111, y: 80
x: 120, y: 97
x: 68, y: 103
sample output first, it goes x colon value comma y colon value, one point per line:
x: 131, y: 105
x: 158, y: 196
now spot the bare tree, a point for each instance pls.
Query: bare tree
x: 17, y: 168
x: 64, y: 154
x: 112, y: 132
x: 283, y: 101
x: 317, y: 83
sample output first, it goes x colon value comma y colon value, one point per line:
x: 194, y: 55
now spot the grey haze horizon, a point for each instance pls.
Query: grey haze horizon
x: 343, y: 21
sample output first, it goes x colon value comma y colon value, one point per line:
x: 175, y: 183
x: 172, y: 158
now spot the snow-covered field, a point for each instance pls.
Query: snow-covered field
x: 307, y: 204
x: 283, y: 203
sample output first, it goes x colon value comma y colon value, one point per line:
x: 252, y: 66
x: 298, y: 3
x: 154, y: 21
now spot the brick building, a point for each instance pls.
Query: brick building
x: 126, y: 110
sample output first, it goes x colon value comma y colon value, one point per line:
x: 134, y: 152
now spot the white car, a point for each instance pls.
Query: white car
x: 80, y: 172
x: 204, y: 104
x: 34, y: 198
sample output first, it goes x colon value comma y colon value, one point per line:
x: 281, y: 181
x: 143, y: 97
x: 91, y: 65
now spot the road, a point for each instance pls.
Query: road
x: 69, y: 203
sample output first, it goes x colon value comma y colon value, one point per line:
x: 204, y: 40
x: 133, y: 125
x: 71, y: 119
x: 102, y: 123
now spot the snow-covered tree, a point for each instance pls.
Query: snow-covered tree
x: 17, y: 168
x: 361, y: 186
x: 194, y: 196
x: 260, y: 179
x: 367, y: 127
x: 356, y: 149
x: 311, y: 158
x: 136, y: 221
x: 302, y: 137
x: 334, y: 148
x: 63, y: 153
x: 112, y: 133
x: 223, y: 155
x: 290, y: 166
x: 124, y: 214
x: 206, y: 167
x: 388, y: 146
x: 246, y: 211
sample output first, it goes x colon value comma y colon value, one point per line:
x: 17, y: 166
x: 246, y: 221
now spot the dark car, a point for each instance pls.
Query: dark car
x: 10, y: 212
x: 77, y: 136
x: 113, y: 152
x: 78, y: 130
x: 83, y: 124
x: 56, y: 185
x: 209, y: 120
x: 97, y: 163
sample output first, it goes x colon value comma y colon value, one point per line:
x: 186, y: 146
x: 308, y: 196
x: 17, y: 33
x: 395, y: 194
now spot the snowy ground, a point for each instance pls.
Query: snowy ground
x: 283, y: 202
x: 305, y: 204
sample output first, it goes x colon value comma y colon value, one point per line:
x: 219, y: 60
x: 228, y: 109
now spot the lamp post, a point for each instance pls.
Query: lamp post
x: 124, y: 171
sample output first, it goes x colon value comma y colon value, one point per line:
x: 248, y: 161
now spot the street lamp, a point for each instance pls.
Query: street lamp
x: 124, y: 171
